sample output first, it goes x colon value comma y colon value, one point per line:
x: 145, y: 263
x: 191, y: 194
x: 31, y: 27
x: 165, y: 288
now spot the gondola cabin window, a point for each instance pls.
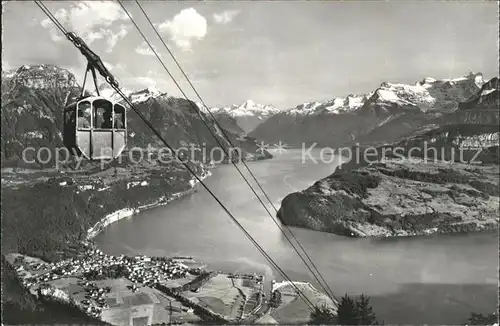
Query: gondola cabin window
x: 102, y: 114
x: 119, y: 120
x: 83, y: 115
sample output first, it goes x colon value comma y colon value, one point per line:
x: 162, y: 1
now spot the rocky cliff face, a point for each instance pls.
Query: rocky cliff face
x: 33, y: 99
x: 40, y: 77
x: 32, y: 102
x: 392, y: 111
x: 481, y: 108
x: 441, y: 178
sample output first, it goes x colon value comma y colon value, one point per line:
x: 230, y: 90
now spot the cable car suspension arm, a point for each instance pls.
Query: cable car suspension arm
x: 94, y: 63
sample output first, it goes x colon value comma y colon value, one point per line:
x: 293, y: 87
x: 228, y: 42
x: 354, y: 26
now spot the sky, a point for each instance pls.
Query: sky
x: 281, y: 53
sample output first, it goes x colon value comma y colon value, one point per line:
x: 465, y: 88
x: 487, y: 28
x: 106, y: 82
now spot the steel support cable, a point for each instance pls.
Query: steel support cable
x: 261, y: 250
x: 206, y: 125
x: 158, y: 134
x: 327, y: 289
x: 54, y: 20
x: 328, y: 292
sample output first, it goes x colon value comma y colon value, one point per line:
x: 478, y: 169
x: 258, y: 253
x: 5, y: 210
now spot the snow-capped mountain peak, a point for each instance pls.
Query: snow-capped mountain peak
x: 337, y: 105
x: 430, y: 94
x: 248, y: 108
x: 249, y: 104
x: 145, y: 94
x: 135, y: 96
x: 106, y: 91
x: 477, y: 78
x: 249, y: 114
x: 404, y: 94
x: 202, y: 108
x: 42, y: 76
x: 304, y: 108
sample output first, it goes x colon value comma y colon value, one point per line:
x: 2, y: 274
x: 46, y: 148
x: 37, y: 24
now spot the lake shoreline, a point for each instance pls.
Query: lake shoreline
x: 129, y: 212
x: 346, y: 263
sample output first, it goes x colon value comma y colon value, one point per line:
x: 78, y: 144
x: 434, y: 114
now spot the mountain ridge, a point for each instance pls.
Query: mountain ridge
x: 33, y: 98
x: 247, y: 115
x: 392, y: 108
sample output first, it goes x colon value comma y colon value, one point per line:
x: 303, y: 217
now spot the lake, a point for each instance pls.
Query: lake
x: 415, y: 280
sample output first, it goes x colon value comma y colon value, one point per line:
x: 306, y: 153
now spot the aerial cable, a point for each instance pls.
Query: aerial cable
x: 327, y: 289
x: 222, y: 146
x: 116, y: 88
x: 54, y: 20
x: 329, y: 292
x: 158, y: 134
x: 261, y: 250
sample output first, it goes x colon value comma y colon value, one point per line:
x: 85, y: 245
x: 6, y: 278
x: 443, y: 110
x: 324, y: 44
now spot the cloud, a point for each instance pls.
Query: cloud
x: 186, y: 27
x: 120, y: 66
x: 91, y: 20
x: 201, y: 75
x: 226, y: 16
x: 92, y: 36
x: 144, y: 49
x: 5, y: 65
x: 146, y: 81
x: 113, y: 38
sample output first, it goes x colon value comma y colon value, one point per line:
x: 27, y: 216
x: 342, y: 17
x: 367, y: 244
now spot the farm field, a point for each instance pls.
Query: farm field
x: 293, y: 309
x: 226, y: 295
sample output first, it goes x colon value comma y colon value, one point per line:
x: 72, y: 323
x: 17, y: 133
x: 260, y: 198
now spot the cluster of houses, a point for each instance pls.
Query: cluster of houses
x: 32, y: 273
x: 141, y: 270
x: 149, y: 272
x: 95, y: 299
x: 93, y: 265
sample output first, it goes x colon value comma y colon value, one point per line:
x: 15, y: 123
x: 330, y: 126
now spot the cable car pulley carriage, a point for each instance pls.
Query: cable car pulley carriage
x: 94, y: 127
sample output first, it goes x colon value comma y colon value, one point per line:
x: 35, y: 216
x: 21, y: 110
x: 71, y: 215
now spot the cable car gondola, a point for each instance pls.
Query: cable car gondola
x: 94, y: 126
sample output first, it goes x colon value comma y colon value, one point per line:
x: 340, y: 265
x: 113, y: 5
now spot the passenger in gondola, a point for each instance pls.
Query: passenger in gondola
x: 118, y: 122
x: 107, y: 124
x: 82, y: 121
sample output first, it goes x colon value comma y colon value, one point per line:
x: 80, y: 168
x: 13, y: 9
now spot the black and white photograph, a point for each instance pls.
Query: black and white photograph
x: 256, y: 162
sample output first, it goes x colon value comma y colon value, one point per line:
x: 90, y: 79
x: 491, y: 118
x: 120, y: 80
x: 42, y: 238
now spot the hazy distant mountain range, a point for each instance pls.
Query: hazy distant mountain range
x: 389, y: 112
